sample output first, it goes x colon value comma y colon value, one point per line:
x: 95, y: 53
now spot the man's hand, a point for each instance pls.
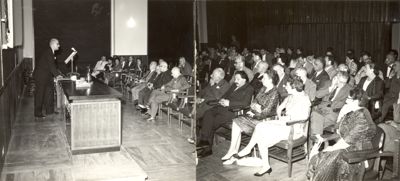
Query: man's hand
x: 250, y: 114
x: 224, y: 102
x: 162, y: 87
x: 256, y: 107
x: 59, y: 77
x: 199, y: 100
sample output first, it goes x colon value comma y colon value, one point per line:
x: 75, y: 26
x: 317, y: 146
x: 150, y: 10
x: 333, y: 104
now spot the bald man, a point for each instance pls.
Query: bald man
x: 45, y: 71
x: 157, y: 96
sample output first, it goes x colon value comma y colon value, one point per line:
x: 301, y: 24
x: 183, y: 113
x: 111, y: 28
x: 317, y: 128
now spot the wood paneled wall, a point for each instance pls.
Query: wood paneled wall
x: 312, y: 25
x: 10, y: 95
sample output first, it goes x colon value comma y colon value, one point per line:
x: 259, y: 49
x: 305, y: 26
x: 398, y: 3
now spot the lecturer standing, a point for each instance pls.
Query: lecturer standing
x: 45, y: 70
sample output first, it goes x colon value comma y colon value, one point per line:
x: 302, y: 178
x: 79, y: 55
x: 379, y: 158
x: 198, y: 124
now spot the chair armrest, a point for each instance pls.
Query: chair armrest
x: 362, y: 155
x: 212, y: 102
x: 238, y: 108
x: 295, y: 122
x: 185, y: 96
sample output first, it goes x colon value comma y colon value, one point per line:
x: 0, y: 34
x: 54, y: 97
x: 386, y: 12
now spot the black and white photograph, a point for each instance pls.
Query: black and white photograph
x: 207, y: 90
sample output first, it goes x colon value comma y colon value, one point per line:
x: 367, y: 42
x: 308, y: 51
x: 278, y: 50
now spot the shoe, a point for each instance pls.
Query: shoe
x: 202, y: 144
x: 230, y: 161
x: 227, y: 157
x: 191, y: 140
x: 243, y: 153
x: 261, y: 174
x: 237, y: 156
x: 150, y: 119
x: 204, y: 153
x: 39, y: 116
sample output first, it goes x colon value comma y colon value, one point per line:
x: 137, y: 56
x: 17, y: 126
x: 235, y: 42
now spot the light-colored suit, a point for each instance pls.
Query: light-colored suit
x: 325, y: 114
x: 310, y: 88
x: 331, y: 72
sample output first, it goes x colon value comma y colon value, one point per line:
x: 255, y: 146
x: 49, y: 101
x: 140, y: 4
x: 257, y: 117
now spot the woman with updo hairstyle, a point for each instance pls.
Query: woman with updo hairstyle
x: 268, y: 133
x: 356, y: 130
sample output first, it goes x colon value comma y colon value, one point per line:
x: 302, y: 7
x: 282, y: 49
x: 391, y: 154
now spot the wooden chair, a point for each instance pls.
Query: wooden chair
x: 291, y: 150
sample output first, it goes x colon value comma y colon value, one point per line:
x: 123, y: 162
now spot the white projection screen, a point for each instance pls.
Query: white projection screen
x: 129, y: 27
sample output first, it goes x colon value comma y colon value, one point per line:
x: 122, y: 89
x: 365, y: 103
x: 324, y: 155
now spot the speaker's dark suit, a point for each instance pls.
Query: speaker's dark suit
x: 219, y: 115
x: 45, y: 70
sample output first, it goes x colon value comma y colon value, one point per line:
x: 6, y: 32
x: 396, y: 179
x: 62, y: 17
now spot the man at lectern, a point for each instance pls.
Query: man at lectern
x: 45, y: 70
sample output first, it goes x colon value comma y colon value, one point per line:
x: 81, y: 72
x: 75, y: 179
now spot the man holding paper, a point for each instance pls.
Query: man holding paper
x: 43, y: 74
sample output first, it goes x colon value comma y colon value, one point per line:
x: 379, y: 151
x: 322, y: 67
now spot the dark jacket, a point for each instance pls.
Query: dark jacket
x: 322, y: 80
x: 256, y: 83
x: 374, y: 89
x: 239, y: 97
x: 45, y: 68
x: 162, y: 79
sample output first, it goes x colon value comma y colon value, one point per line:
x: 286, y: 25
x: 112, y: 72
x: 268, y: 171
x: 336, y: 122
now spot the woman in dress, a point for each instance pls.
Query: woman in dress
x: 269, y: 133
x: 263, y: 106
x: 356, y: 130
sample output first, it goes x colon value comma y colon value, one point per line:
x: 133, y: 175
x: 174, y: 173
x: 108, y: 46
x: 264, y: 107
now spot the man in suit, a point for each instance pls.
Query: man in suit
x: 329, y: 66
x: 45, y: 71
x: 283, y: 78
x: 325, y: 114
x: 131, y: 64
x: 391, y: 57
x: 157, y: 96
x: 256, y: 59
x: 392, y: 94
x: 373, y: 87
x: 320, y: 77
x: 163, y: 78
x: 185, y: 67
x: 239, y: 66
x: 310, y: 88
x: 213, y: 91
x: 239, y: 95
x: 143, y: 82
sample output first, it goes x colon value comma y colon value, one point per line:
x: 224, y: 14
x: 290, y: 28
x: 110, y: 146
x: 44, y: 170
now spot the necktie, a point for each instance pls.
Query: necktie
x: 332, y: 94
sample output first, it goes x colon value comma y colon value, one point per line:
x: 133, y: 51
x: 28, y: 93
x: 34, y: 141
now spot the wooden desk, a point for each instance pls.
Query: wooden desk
x: 94, y: 114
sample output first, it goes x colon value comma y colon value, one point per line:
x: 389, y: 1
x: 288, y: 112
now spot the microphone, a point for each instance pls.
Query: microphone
x: 73, y: 49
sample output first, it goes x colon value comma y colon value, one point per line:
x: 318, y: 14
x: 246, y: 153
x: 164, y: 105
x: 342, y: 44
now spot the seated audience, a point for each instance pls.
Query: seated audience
x: 391, y: 57
x: 372, y: 86
x: 238, y: 95
x: 344, y: 68
x: 269, y: 133
x: 163, y: 78
x: 320, y: 77
x: 239, y: 66
x: 100, y: 68
x: 283, y: 77
x: 185, y: 67
x: 263, y: 106
x: 148, y: 78
x: 329, y: 66
x: 350, y: 62
x: 310, y: 88
x: 256, y: 56
x: 157, y: 96
x: 256, y: 83
x: 333, y: 99
x: 356, y: 130
x: 212, y: 92
x: 392, y: 95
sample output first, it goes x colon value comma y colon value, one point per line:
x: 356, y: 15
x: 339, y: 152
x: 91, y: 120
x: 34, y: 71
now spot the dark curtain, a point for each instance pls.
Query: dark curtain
x: 84, y: 25
x: 312, y: 25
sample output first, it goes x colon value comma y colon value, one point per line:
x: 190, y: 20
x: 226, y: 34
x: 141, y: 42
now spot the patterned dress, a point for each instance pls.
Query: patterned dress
x: 269, y: 102
x: 357, y: 129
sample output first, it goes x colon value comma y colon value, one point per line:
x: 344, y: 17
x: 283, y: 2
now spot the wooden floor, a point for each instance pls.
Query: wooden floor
x: 211, y: 168
x: 39, y: 151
